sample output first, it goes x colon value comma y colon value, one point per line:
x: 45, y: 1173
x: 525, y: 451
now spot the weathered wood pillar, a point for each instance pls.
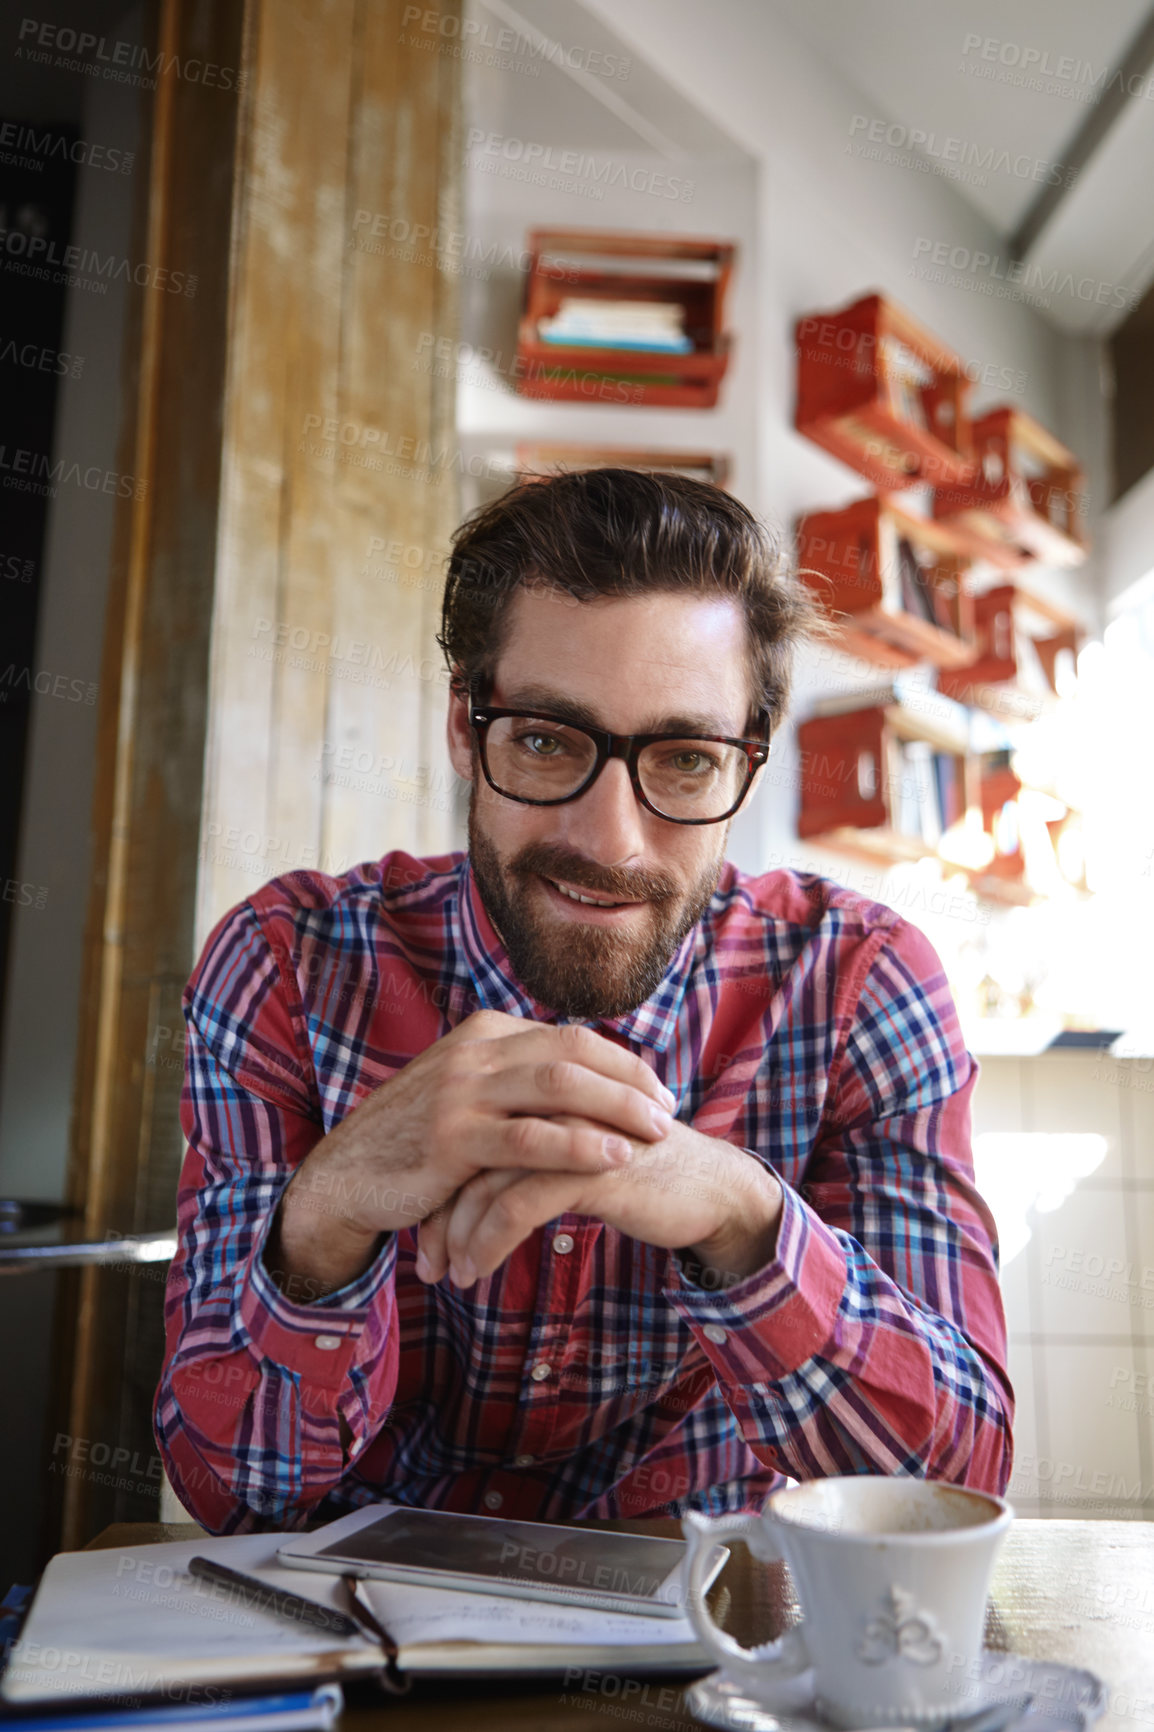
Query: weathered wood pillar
x: 340, y: 491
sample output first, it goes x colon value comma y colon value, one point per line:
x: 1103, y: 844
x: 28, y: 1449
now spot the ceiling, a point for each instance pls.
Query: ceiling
x: 1029, y: 100
x: 1014, y: 89
x: 919, y: 65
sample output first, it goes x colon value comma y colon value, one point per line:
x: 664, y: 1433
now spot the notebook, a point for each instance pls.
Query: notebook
x: 135, y: 1622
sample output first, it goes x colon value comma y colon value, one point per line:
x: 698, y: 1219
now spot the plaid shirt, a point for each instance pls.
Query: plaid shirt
x: 590, y: 1375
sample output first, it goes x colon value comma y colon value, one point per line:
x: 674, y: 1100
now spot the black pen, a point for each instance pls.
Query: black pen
x: 279, y: 1600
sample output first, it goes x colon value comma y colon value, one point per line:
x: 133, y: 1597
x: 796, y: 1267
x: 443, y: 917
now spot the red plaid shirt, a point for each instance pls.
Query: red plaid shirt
x: 589, y: 1375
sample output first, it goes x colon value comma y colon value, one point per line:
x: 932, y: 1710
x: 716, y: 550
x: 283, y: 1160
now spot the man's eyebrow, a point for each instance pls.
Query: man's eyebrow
x: 549, y: 703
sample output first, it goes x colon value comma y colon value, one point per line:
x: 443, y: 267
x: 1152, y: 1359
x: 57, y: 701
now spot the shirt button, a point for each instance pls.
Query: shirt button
x: 492, y: 1500
x: 714, y: 1332
x: 563, y: 1243
x: 524, y: 1460
x: 326, y: 1343
x: 541, y: 1371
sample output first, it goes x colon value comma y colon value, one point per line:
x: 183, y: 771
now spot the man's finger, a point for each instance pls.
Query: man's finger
x: 431, y: 1235
x: 529, y: 1142
x: 470, y: 1206
x: 539, y: 1042
x: 556, y: 1085
x: 516, y: 1211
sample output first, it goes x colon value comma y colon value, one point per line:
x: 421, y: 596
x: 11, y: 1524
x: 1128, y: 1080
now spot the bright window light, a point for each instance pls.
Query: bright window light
x: 1027, y: 1173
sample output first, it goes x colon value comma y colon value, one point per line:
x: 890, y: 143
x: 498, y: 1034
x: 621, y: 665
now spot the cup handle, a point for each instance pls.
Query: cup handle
x: 781, y: 1660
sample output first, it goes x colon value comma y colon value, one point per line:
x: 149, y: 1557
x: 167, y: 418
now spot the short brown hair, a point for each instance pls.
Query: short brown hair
x: 622, y: 532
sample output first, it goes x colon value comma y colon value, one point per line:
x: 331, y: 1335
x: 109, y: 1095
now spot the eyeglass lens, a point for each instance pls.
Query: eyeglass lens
x: 538, y: 759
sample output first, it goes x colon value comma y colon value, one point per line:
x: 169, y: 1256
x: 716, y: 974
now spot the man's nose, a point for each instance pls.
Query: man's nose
x: 607, y: 821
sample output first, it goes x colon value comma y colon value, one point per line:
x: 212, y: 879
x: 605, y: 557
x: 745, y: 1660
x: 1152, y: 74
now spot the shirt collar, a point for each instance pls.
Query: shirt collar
x: 652, y: 1024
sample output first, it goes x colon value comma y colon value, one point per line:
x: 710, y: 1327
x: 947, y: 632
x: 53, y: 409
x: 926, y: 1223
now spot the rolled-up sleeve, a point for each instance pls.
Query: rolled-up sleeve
x: 874, y: 1341
x: 266, y: 1394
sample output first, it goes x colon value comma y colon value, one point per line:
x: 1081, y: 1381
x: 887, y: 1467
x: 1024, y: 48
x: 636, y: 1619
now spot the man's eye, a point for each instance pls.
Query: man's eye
x: 541, y: 745
x: 691, y: 762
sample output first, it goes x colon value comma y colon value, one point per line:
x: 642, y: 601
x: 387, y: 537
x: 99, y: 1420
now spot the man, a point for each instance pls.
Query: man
x: 583, y: 1174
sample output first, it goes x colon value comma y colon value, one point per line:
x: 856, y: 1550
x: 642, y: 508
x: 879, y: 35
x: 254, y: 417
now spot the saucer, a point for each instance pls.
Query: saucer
x: 1066, y: 1699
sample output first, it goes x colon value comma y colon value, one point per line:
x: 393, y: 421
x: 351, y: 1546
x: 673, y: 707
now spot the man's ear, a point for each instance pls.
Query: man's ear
x: 457, y: 729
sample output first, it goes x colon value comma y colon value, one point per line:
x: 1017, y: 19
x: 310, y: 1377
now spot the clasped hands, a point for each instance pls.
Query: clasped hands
x: 503, y: 1125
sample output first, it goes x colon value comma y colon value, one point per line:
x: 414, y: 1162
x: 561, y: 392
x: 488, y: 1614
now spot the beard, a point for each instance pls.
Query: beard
x: 592, y: 973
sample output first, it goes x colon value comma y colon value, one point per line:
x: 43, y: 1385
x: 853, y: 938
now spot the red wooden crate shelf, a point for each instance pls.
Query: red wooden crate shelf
x: 894, y: 583
x: 533, y: 458
x: 606, y: 265
x: 853, y: 792
x: 1003, y: 616
x: 1024, y: 499
x: 883, y: 394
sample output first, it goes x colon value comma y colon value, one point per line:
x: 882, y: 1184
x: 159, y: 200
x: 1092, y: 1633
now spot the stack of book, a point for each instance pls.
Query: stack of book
x: 924, y: 793
x: 910, y: 692
x: 584, y: 322
x: 920, y: 594
x: 910, y: 580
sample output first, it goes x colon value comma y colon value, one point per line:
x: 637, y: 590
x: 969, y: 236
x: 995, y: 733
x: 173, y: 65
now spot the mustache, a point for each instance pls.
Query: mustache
x: 547, y: 860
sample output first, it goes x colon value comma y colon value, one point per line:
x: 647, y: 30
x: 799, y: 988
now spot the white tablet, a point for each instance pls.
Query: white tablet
x: 613, y: 1572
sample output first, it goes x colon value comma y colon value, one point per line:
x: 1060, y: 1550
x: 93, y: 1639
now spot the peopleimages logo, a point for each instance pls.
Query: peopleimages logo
x: 38, y: 249
x: 1032, y: 278
x: 1030, y: 68
x: 948, y: 153
x: 505, y: 41
x: 31, y: 149
x: 572, y: 170
x: 47, y: 44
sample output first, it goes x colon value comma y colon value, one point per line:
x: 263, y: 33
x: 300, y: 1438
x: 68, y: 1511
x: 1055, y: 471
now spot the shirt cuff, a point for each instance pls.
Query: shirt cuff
x: 317, y: 1340
x: 769, y: 1324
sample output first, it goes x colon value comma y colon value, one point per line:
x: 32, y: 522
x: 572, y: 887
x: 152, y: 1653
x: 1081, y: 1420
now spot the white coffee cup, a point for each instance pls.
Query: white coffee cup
x: 892, y: 1576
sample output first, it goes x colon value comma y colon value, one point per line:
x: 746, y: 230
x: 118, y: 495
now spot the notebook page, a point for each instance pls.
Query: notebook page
x: 414, y: 1614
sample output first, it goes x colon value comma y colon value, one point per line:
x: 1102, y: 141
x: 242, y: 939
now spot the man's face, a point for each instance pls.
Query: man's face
x: 634, y: 665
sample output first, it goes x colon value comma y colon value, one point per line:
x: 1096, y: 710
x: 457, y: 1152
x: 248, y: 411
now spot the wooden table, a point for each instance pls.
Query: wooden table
x: 1081, y: 1592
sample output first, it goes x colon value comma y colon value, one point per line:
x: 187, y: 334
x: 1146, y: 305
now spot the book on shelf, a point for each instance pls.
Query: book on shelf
x: 908, y: 689
x: 889, y: 562
x: 924, y: 796
x: 951, y: 802
x: 584, y: 322
x: 922, y: 594
x: 906, y: 686
x: 907, y: 574
x: 554, y: 261
x: 927, y: 812
x: 104, y: 1624
x: 916, y: 593
x: 893, y: 792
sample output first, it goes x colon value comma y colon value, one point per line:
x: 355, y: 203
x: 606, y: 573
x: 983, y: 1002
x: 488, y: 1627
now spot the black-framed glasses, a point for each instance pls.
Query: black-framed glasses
x: 543, y: 760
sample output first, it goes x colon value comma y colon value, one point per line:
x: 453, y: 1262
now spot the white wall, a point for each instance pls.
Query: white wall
x: 694, y: 181
x: 817, y: 227
x: 1128, y: 542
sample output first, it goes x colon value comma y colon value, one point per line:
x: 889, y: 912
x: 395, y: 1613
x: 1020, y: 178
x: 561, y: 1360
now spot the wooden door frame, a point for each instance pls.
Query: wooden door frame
x: 150, y: 744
